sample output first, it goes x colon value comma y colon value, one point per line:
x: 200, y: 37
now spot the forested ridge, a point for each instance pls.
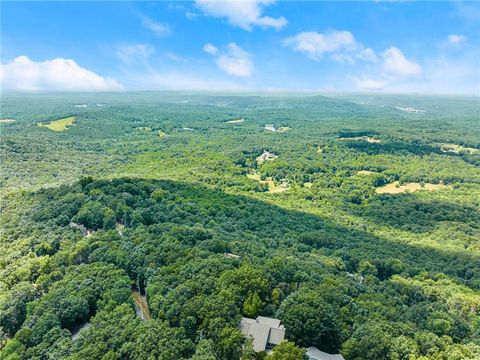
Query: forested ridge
x: 149, y: 192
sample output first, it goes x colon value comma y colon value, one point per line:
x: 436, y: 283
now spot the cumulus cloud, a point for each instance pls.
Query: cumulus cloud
x: 232, y: 59
x: 338, y: 45
x: 235, y: 61
x: 157, y: 28
x: 244, y: 14
x: 210, y: 49
x: 57, y: 74
x: 134, y: 53
x: 393, y: 70
x: 395, y: 63
x: 456, y: 39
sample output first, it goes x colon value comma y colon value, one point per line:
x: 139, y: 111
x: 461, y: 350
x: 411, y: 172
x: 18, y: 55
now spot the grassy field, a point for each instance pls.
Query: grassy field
x: 60, y: 124
x: 272, y: 188
x: 368, y: 139
x: 458, y: 149
x: 396, y: 188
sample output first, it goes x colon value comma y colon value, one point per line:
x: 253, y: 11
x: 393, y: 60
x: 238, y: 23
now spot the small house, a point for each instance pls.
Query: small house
x: 314, y: 354
x: 266, y: 156
x: 266, y: 332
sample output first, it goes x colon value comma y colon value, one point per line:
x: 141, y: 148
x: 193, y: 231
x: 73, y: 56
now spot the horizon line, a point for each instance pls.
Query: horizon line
x: 239, y: 91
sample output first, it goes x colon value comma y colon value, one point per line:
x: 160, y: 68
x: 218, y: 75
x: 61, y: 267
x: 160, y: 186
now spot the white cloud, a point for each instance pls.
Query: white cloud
x: 370, y: 84
x: 57, y: 74
x: 442, y: 74
x: 455, y: 39
x: 235, y: 61
x: 395, y: 63
x: 244, y: 14
x: 134, y: 53
x: 210, y: 49
x: 157, y: 28
x: 367, y: 55
x: 394, y: 71
x: 175, y: 57
x: 339, y: 45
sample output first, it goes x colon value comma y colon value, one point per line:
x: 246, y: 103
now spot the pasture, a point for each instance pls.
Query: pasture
x: 60, y: 124
x: 396, y: 188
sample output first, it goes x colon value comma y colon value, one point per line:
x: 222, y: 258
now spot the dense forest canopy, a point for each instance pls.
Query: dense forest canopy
x: 167, y: 196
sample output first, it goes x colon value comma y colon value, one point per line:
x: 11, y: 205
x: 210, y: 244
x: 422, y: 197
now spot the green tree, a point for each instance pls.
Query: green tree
x: 109, y: 219
x: 371, y: 340
x: 287, y: 350
x: 311, y: 320
x: 229, y: 343
x: 252, y: 305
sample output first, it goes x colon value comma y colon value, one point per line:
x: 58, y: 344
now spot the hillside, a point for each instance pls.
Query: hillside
x: 161, y: 195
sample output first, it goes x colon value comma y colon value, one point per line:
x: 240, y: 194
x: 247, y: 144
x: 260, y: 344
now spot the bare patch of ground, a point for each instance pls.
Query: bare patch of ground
x: 410, y: 109
x: 396, y: 188
x: 236, y: 121
x: 141, y: 305
x: 270, y: 127
x: 458, y: 149
x: 365, y: 172
x: 362, y: 138
x: 272, y: 188
x: 266, y: 156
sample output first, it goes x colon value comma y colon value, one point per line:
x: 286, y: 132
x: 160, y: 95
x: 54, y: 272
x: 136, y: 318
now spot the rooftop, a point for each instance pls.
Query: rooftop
x: 314, y: 354
x: 264, y: 331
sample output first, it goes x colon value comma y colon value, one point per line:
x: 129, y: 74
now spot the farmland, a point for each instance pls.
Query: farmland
x: 60, y: 124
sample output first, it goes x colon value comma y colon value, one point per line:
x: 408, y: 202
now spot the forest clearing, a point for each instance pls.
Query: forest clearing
x: 455, y: 148
x: 60, y: 124
x: 396, y: 188
x: 236, y: 121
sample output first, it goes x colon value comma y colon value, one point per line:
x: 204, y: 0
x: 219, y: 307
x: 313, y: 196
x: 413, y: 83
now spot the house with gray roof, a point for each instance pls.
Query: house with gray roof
x: 266, y: 332
x: 314, y: 354
x: 266, y: 156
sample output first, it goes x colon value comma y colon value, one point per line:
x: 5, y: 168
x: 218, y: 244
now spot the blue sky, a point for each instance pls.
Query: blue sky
x: 424, y: 47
